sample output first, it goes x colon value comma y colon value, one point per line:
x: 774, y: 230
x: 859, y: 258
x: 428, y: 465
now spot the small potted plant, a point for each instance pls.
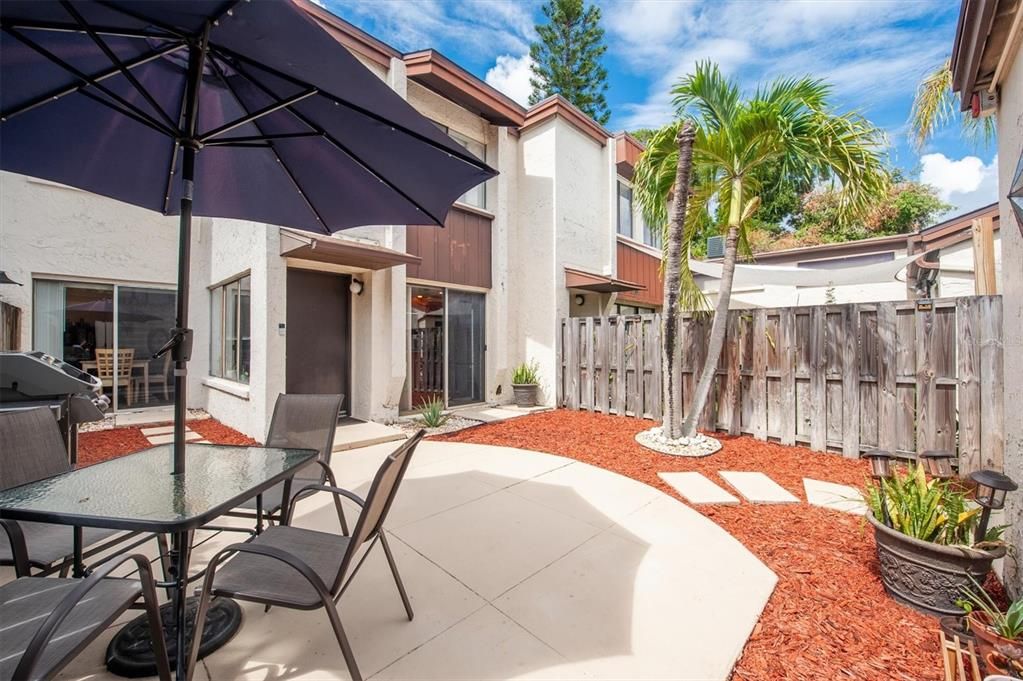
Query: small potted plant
x: 525, y: 382
x: 926, y: 535
x: 999, y: 634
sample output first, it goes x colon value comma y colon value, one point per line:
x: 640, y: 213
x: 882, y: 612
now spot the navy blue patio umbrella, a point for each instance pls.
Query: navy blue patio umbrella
x: 217, y: 108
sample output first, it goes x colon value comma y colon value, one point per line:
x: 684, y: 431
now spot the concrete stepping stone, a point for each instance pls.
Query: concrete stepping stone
x: 167, y: 438
x: 834, y: 496
x: 697, y: 488
x: 157, y: 430
x: 757, y: 488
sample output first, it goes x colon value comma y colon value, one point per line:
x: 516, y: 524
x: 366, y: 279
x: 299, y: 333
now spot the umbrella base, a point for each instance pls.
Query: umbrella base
x: 130, y: 652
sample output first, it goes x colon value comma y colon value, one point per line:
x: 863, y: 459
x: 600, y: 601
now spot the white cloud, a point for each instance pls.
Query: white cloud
x: 511, y: 75
x: 966, y: 183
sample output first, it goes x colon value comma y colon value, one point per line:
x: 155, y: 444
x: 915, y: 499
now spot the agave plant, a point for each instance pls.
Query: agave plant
x: 432, y: 412
x: 934, y: 510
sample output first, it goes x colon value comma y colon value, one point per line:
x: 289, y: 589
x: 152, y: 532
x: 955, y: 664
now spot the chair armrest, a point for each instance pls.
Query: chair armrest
x: 74, y: 597
x: 336, y: 491
x: 328, y: 473
x: 19, y: 550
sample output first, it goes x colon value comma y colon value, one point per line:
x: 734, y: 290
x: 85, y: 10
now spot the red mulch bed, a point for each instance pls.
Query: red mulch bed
x: 829, y: 617
x: 101, y: 445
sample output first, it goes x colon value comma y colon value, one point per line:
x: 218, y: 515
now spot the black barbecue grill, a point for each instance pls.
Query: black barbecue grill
x: 35, y: 379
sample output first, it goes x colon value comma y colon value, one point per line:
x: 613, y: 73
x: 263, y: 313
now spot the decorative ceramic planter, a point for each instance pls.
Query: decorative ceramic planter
x: 525, y: 394
x: 1000, y: 655
x: 928, y: 577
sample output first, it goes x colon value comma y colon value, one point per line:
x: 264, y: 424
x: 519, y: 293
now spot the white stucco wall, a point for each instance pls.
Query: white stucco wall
x: 1010, y: 146
x: 51, y: 230
x: 233, y: 248
x: 956, y: 276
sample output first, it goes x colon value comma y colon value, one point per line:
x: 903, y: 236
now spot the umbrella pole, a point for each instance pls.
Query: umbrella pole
x: 183, y: 335
x: 182, y: 350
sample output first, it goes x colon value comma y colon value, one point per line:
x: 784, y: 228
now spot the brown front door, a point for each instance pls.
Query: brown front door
x: 318, y: 334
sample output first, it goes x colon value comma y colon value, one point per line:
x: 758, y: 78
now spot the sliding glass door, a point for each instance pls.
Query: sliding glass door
x: 446, y: 347
x: 111, y: 331
x: 465, y: 347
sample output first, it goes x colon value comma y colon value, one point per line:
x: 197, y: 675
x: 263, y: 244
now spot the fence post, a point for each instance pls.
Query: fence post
x: 850, y: 382
x: 818, y: 383
x: 887, y: 386
x: 787, y: 358
x: 586, y: 401
x: 572, y: 357
x: 992, y: 441
x: 926, y: 400
x: 603, y: 380
x: 758, y: 384
x: 968, y: 396
x: 621, y: 372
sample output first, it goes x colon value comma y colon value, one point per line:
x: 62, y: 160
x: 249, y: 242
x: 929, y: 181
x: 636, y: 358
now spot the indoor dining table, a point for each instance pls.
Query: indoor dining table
x: 139, y: 493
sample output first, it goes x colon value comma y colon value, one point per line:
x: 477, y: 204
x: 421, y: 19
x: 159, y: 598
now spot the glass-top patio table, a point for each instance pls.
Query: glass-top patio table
x: 138, y: 492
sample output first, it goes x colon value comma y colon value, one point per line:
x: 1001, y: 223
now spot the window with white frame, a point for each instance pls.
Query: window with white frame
x: 477, y: 196
x: 230, y: 330
x: 651, y: 237
x: 624, y: 209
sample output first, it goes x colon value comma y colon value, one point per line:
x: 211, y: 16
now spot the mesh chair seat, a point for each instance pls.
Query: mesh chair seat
x: 25, y: 603
x: 48, y: 543
x: 259, y: 578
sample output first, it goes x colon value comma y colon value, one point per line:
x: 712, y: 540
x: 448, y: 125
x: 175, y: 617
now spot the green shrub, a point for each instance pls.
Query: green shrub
x: 935, y: 511
x: 432, y: 413
x: 526, y: 374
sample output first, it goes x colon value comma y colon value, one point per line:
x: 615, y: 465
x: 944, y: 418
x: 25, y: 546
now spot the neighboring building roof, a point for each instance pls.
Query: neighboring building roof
x: 940, y: 235
x: 987, y: 34
x: 437, y: 72
x: 556, y: 105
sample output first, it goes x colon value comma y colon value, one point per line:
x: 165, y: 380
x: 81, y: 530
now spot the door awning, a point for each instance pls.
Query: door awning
x: 342, y: 251
x: 598, y: 283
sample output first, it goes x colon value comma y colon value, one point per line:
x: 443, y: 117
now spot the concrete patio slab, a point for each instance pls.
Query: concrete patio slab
x: 834, y: 496
x: 757, y: 488
x: 582, y: 580
x: 353, y: 434
x: 496, y: 414
x: 698, y: 488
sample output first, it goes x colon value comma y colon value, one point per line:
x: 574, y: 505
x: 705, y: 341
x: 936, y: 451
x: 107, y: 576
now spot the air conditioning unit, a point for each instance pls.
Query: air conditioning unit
x: 716, y: 247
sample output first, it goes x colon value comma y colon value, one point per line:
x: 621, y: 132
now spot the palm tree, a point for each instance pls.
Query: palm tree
x: 786, y: 126
x: 935, y: 104
x: 671, y: 349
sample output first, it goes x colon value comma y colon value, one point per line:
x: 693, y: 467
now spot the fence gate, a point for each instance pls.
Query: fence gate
x: 904, y: 376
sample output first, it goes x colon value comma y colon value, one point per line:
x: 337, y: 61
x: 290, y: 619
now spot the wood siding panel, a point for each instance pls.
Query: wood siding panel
x: 639, y: 267
x: 458, y: 254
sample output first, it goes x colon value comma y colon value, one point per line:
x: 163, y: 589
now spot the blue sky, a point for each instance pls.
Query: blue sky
x: 872, y: 51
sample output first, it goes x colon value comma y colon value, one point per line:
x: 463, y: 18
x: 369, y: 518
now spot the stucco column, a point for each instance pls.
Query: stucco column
x: 1010, y: 146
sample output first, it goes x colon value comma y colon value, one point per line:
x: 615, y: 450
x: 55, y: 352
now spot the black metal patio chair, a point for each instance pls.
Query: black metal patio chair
x: 303, y: 569
x: 31, y: 449
x: 303, y: 422
x: 45, y: 622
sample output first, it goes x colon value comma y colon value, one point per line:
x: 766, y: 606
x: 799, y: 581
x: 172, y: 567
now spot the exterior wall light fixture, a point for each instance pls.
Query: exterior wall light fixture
x: 356, y: 287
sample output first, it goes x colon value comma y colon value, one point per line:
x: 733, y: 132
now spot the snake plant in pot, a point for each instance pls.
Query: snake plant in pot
x: 927, y: 547
x: 525, y: 382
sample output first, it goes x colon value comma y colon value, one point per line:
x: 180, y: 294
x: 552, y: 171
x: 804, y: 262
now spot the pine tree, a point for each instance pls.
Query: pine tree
x: 567, y: 57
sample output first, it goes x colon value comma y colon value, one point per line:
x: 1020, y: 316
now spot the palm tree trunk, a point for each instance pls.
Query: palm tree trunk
x: 717, y: 329
x: 671, y: 348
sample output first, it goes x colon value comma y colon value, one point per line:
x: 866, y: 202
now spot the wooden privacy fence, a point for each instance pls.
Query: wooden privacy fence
x: 902, y: 376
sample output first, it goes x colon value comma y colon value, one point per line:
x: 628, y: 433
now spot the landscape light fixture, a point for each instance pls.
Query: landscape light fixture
x: 938, y: 463
x: 356, y: 287
x: 880, y: 463
x: 992, y: 487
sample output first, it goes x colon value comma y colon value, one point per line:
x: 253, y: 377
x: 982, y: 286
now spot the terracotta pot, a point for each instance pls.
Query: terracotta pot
x: 928, y: 577
x: 525, y: 394
x: 1000, y: 655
